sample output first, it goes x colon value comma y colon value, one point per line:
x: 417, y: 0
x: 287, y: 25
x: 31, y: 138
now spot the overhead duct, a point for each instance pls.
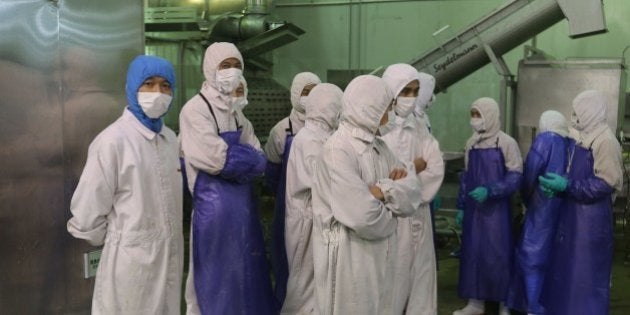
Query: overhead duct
x: 249, y: 24
x: 504, y: 29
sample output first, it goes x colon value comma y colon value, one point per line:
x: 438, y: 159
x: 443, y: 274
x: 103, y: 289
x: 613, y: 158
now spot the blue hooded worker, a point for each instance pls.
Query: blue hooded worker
x: 129, y: 199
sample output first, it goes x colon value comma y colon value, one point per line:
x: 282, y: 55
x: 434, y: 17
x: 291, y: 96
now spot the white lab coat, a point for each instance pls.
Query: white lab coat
x: 274, y: 147
x: 354, y: 234
x: 415, y: 288
x: 416, y: 279
x: 129, y: 198
x: 199, y: 142
x: 322, y: 115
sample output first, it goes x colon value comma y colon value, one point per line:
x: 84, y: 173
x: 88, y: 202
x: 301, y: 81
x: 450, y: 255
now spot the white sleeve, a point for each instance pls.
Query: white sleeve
x: 202, y: 146
x: 274, y: 148
x: 248, y: 136
x: 351, y: 202
x: 93, y: 198
x: 607, y: 161
x: 511, y: 153
x: 401, y: 196
x: 431, y: 178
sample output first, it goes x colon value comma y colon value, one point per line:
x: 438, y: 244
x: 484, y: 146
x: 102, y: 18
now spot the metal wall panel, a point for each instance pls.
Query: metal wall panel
x: 62, y: 74
x: 544, y: 85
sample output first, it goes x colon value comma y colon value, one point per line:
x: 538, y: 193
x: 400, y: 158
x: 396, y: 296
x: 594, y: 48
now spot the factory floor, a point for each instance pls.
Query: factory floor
x: 448, y: 301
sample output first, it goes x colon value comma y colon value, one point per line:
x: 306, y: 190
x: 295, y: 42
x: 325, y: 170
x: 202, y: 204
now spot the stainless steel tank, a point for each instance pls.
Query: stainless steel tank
x: 62, y: 76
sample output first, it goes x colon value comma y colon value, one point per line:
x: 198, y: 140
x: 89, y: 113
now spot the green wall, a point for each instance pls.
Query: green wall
x: 369, y: 35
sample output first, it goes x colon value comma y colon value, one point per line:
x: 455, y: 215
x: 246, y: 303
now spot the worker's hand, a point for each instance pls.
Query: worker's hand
x: 397, y: 174
x: 553, y: 181
x: 377, y: 193
x: 459, y: 218
x: 480, y: 194
x: 420, y: 164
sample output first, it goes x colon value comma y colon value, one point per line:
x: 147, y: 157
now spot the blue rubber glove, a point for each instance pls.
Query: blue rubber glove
x: 243, y: 162
x: 480, y: 194
x: 459, y: 218
x: 554, y: 182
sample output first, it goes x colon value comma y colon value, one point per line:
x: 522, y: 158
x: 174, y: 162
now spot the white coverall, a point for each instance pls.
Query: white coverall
x: 425, y: 99
x: 322, y: 118
x: 200, y: 144
x: 354, y: 234
x: 415, y: 290
x: 129, y: 198
x: 274, y: 148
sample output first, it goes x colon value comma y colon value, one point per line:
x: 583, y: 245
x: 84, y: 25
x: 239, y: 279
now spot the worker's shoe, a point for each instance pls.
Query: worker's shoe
x: 474, y: 307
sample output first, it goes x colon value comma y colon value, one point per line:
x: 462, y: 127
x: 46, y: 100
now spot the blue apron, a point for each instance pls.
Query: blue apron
x: 487, y: 248
x: 578, y: 280
x: 231, y: 274
x: 279, y: 260
x: 548, y: 153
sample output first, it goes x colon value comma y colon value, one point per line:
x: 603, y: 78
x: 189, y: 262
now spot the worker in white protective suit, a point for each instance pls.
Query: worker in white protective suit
x: 228, y: 271
x: 415, y: 290
x: 277, y: 151
x: 322, y: 117
x: 129, y: 199
x: 359, y: 192
x: 425, y: 99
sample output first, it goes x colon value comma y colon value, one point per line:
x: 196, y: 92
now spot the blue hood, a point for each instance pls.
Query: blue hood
x: 140, y: 69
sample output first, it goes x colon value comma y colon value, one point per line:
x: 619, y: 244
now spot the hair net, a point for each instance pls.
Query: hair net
x: 553, y: 121
x: 324, y: 104
x: 590, y: 108
x: 489, y: 110
x: 365, y: 101
x: 216, y: 53
x: 300, y: 81
x: 140, y: 69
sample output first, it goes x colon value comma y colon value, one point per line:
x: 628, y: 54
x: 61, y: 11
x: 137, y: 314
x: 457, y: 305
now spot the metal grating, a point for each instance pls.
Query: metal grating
x: 269, y: 102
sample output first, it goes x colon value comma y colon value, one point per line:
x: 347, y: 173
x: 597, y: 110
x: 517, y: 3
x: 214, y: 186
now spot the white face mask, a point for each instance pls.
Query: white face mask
x: 228, y: 79
x: 575, y: 122
x: 477, y: 125
x: 303, y: 101
x: 154, y: 104
x: 404, y: 105
x: 239, y: 103
x: 389, y: 126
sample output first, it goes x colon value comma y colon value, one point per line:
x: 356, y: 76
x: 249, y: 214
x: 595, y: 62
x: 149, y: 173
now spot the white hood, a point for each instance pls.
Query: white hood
x: 324, y: 105
x: 365, y: 101
x: 299, y: 82
x: 553, y: 121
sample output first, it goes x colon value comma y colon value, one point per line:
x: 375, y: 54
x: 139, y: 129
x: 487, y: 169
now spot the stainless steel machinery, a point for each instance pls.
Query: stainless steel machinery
x: 62, y: 75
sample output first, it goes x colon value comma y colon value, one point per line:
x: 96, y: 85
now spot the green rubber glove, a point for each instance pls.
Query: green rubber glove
x: 547, y: 192
x: 554, y: 182
x: 459, y: 218
x: 480, y: 194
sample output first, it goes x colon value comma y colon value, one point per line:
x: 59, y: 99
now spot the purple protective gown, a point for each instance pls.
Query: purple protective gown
x: 548, y: 153
x: 578, y: 279
x: 487, y: 247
